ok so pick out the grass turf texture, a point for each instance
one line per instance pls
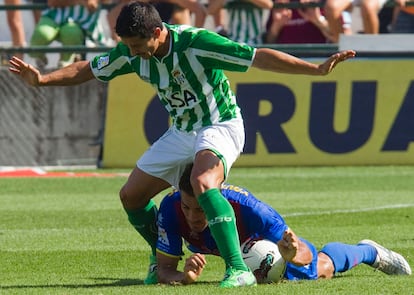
(71, 236)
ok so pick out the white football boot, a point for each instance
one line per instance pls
(388, 261)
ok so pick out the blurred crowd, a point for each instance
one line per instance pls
(255, 22)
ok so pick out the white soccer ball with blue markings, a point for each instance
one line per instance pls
(264, 259)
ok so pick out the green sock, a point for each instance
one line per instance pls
(144, 221)
(222, 224)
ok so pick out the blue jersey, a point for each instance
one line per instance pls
(254, 219)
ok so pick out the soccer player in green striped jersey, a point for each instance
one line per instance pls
(245, 18)
(185, 65)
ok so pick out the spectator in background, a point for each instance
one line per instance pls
(112, 15)
(403, 22)
(69, 22)
(15, 22)
(219, 19)
(386, 18)
(37, 13)
(179, 11)
(369, 15)
(245, 19)
(303, 25)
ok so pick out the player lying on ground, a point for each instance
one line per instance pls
(181, 217)
(185, 65)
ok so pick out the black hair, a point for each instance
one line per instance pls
(138, 19)
(185, 183)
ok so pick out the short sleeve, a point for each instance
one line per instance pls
(114, 63)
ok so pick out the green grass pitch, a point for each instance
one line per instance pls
(71, 236)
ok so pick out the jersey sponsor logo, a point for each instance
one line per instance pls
(103, 61)
(220, 219)
(235, 188)
(181, 99)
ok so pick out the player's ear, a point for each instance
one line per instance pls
(157, 32)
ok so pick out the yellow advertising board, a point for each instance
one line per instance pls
(361, 114)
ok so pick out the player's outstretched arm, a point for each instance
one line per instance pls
(168, 273)
(276, 61)
(73, 74)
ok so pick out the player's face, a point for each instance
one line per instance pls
(142, 47)
(194, 214)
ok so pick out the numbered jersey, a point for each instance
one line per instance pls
(189, 80)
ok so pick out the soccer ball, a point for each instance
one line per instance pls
(264, 259)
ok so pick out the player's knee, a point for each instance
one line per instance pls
(197, 184)
(127, 199)
(131, 200)
(326, 268)
(203, 182)
(123, 196)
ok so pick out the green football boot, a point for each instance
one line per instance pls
(152, 278)
(238, 278)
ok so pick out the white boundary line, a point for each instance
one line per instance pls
(396, 206)
(48, 168)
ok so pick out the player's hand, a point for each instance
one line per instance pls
(281, 16)
(27, 72)
(288, 246)
(334, 59)
(193, 267)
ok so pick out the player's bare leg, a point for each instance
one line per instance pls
(325, 266)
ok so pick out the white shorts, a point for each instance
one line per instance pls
(169, 155)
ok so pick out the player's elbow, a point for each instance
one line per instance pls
(304, 255)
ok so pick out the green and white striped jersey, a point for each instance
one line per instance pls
(79, 14)
(246, 22)
(189, 80)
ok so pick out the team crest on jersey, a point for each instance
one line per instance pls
(103, 61)
(178, 77)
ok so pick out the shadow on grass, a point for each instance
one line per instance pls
(114, 283)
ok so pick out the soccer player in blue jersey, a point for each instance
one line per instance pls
(185, 65)
(180, 217)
